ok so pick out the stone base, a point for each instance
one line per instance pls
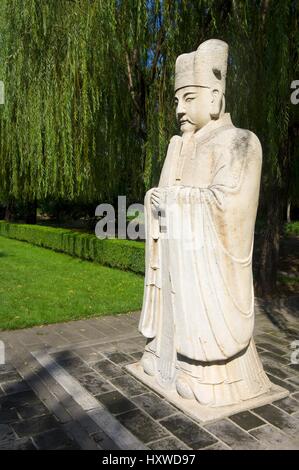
(200, 413)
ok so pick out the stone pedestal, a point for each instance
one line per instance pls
(198, 412)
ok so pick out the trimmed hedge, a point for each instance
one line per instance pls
(121, 254)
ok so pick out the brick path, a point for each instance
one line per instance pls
(74, 392)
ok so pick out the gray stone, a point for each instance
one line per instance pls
(187, 431)
(18, 399)
(89, 355)
(8, 416)
(233, 436)
(103, 442)
(273, 349)
(287, 404)
(107, 369)
(168, 443)
(129, 386)
(142, 426)
(34, 426)
(9, 376)
(33, 410)
(15, 387)
(94, 383)
(247, 420)
(6, 433)
(75, 366)
(282, 383)
(51, 440)
(278, 418)
(119, 358)
(154, 406)
(115, 402)
(274, 439)
(24, 443)
(217, 446)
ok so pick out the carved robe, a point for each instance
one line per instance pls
(198, 294)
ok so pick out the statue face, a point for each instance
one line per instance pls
(193, 107)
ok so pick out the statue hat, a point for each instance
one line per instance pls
(203, 67)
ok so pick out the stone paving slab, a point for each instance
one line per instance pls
(25, 423)
(42, 407)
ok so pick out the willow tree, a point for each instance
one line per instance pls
(68, 125)
(89, 95)
(89, 106)
(265, 53)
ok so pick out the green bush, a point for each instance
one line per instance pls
(292, 228)
(122, 254)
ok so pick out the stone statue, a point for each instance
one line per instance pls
(198, 307)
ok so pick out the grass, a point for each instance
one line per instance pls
(39, 286)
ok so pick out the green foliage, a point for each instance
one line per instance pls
(67, 128)
(39, 287)
(89, 89)
(265, 58)
(292, 228)
(121, 254)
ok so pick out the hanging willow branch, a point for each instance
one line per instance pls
(89, 89)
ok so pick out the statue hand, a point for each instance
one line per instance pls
(156, 201)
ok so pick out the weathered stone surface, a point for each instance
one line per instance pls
(154, 405)
(95, 384)
(32, 426)
(168, 443)
(279, 418)
(87, 427)
(198, 305)
(247, 420)
(115, 402)
(54, 439)
(142, 426)
(287, 404)
(187, 431)
(129, 386)
(274, 439)
(107, 369)
(233, 436)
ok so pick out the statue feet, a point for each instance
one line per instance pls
(183, 388)
(148, 362)
(189, 388)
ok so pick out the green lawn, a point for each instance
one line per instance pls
(39, 286)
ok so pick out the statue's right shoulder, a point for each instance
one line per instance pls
(175, 139)
(174, 144)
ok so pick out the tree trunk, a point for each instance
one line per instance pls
(30, 217)
(267, 264)
(289, 212)
(9, 211)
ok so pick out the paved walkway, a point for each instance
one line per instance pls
(64, 386)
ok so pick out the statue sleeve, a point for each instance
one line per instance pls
(237, 172)
(210, 236)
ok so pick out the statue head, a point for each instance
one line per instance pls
(200, 85)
